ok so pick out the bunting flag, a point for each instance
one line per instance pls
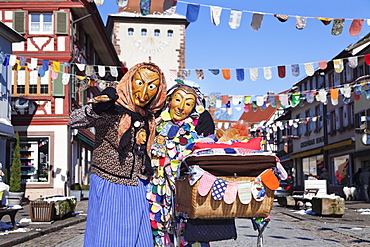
(257, 17)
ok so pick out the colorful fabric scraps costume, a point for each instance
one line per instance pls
(125, 127)
(175, 136)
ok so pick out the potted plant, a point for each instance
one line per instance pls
(85, 191)
(76, 191)
(15, 194)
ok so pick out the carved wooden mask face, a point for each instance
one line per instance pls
(145, 85)
(181, 105)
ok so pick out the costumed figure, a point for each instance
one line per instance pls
(125, 129)
(176, 134)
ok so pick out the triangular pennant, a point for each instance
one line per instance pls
(215, 14)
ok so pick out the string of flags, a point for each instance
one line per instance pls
(282, 70)
(193, 10)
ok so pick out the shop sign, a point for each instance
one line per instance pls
(312, 142)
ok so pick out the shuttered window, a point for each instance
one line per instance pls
(58, 86)
(61, 23)
(19, 21)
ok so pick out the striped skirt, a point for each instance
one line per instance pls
(118, 215)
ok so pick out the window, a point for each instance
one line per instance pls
(41, 23)
(130, 31)
(342, 170)
(332, 121)
(170, 33)
(29, 83)
(35, 163)
(312, 166)
(143, 32)
(157, 32)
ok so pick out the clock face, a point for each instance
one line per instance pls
(365, 139)
(151, 45)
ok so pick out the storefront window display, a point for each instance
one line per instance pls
(342, 170)
(313, 166)
(34, 155)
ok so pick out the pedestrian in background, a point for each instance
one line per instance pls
(364, 178)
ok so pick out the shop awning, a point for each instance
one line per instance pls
(306, 153)
(338, 144)
(7, 131)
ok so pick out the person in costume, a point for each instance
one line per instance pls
(176, 133)
(125, 129)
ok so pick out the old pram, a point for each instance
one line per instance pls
(234, 165)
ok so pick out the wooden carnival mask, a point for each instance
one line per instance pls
(145, 85)
(182, 103)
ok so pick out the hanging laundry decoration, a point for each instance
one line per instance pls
(356, 27)
(267, 72)
(235, 18)
(337, 26)
(295, 69)
(338, 65)
(240, 74)
(215, 14)
(192, 12)
(256, 21)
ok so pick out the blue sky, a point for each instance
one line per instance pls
(274, 44)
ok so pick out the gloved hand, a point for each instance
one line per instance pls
(107, 106)
(205, 126)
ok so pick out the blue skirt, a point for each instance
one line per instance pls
(118, 215)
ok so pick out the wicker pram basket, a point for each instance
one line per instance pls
(196, 206)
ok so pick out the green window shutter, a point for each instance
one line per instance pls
(19, 21)
(61, 22)
(58, 87)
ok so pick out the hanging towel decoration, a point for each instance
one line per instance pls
(214, 71)
(186, 72)
(256, 21)
(215, 15)
(235, 18)
(322, 96)
(145, 7)
(6, 61)
(323, 65)
(226, 74)
(81, 67)
(337, 26)
(12, 59)
(113, 71)
(56, 66)
(240, 74)
(41, 72)
(33, 63)
(65, 78)
(310, 70)
(224, 99)
(334, 96)
(22, 61)
(281, 71)
(295, 69)
(231, 192)
(17, 65)
(352, 62)
(89, 70)
(219, 188)
(101, 70)
(246, 108)
(267, 72)
(260, 100)
(206, 183)
(45, 65)
(282, 18)
(237, 99)
(326, 21)
(253, 74)
(284, 101)
(358, 89)
(247, 99)
(99, 2)
(367, 59)
(122, 3)
(192, 12)
(199, 73)
(310, 97)
(338, 65)
(212, 100)
(300, 22)
(296, 99)
(356, 27)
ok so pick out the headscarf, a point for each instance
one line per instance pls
(124, 91)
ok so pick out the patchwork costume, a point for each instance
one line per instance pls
(174, 139)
